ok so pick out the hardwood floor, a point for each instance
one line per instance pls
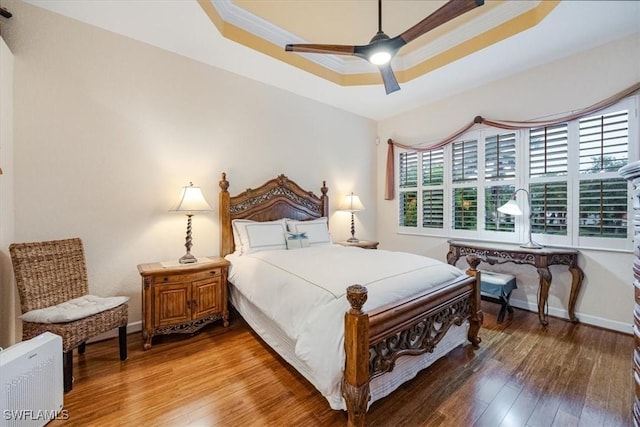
(522, 375)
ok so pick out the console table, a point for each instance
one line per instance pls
(541, 259)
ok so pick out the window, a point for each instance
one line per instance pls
(465, 191)
(433, 189)
(408, 194)
(604, 145)
(570, 171)
(500, 172)
(548, 178)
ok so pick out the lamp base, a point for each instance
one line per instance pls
(353, 240)
(187, 259)
(531, 245)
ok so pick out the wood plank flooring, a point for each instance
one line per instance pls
(522, 375)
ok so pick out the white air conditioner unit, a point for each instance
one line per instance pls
(31, 381)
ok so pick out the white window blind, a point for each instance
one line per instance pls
(465, 208)
(433, 189)
(408, 208)
(494, 197)
(433, 209)
(548, 151)
(408, 169)
(604, 142)
(433, 167)
(604, 147)
(500, 157)
(549, 207)
(548, 173)
(465, 161)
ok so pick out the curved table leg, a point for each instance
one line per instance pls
(576, 283)
(545, 284)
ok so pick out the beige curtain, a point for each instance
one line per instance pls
(502, 124)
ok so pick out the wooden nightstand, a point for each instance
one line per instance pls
(183, 298)
(365, 244)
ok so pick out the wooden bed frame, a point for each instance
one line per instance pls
(374, 340)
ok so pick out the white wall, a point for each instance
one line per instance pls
(9, 327)
(107, 131)
(606, 298)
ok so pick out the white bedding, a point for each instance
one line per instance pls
(304, 293)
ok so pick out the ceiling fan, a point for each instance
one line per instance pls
(382, 48)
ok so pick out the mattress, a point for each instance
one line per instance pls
(295, 301)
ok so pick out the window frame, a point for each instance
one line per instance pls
(523, 180)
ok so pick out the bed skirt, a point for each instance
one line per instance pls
(406, 368)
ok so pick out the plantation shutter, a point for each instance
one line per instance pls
(500, 157)
(604, 145)
(465, 161)
(548, 151)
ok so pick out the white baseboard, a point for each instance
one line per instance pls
(626, 328)
(131, 328)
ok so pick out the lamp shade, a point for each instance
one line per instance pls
(351, 203)
(191, 201)
(510, 208)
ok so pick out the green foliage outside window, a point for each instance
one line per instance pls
(465, 214)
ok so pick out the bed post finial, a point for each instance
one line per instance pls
(357, 296)
(476, 318)
(355, 384)
(226, 236)
(324, 199)
(224, 184)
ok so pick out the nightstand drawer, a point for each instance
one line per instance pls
(188, 277)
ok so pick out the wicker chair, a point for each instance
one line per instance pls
(51, 273)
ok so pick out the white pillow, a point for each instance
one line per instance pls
(236, 237)
(257, 236)
(317, 230)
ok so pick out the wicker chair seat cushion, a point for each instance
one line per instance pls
(77, 308)
(79, 331)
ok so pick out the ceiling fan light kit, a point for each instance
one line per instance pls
(381, 49)
(379, 58)
(380, 53)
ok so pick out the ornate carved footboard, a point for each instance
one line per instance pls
(374, 341)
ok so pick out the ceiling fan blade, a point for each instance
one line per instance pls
(446, 13)
(389, 79)
(334, 49)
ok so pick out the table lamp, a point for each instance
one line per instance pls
(190, 202)
(352, 203)
(512, 208)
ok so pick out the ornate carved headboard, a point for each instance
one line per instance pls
(275, 199)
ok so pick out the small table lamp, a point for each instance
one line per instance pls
(352, 203)
(512, 208)
(191, 201)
